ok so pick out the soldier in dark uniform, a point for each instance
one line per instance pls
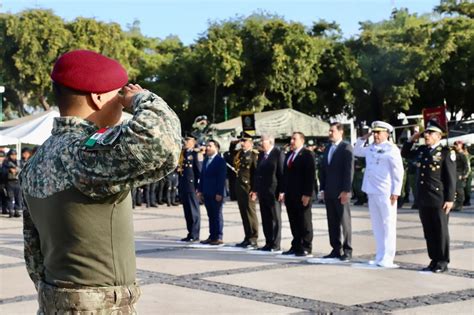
(189, 170)
(245, 163)
(229, 159)
(435, 186)
(160, 191)
(171, 188)
(11, 169)
(3, 187)
(412, 176)
(78, 228)
(462, 172)
(359, 168)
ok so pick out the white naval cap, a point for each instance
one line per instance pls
(381, 126)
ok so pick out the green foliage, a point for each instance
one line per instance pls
(262, 62)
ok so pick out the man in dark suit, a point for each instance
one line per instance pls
(337, 171)
(298, 185)
(436, 185)
(267, 185)
(211, 190)
(189, 170)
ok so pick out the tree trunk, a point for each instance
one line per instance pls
(44, 102)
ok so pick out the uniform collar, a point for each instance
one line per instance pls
(72, 124)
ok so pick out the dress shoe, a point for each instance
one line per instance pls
(440, 268)
(291, 251)
(4, 211)
(301, 253)
(333, 255)
(243, 244)
(346, 257)
(189, 239)
(154, 205)
(389, 265)
(266, 248)
(414, 206)
(430, 266)
(17, 214)
(208, 241)
(216, 242)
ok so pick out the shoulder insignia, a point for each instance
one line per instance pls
(452, 156)
(104, 137)
(255, 151)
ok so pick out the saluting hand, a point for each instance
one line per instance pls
(415, 137)
(128, 91)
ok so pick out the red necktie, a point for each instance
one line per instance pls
(290, 160)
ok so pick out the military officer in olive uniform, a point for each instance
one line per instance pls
(189, 170)
(462, 172)
(436, 185)
(245, 164)
(78, 230)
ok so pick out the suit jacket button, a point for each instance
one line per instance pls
(421, 182)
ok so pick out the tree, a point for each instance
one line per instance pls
(33, 40)
(394, 56)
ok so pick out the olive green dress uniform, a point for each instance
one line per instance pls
(462, 171)
(78, 232)
(245, 163)
(435, 185)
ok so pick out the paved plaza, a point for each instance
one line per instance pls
(177, 278)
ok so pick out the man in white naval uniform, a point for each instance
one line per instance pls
(382, 183)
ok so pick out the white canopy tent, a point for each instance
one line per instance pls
(277, 123)
(34, 129)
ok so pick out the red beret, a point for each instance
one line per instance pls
(88, 71)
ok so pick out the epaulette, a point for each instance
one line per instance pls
(255, 151)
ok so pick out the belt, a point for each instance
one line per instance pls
(87, 300)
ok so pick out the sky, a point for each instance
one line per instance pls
(189, 18)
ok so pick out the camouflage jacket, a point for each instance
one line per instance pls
(138, 151)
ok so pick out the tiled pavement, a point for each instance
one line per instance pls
(178, 279)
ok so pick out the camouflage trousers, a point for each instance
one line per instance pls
(119, 300)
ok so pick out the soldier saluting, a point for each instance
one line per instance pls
(435, 188)
(79, 246)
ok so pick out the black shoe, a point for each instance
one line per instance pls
(414, 206)
(346, 257)
(430, 266)
(216, 242)
(17, 214)
(333, 255)
(175, 204)
(440, 268)
(154, 205)
(10, 215)
(301, 253)
(252, 245)
(208, 241)
(243, 244)
(189, 239)
(291, 251)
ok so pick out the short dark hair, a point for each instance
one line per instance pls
(218, 146)
(338, 126)
(299, 133)
(65, 96)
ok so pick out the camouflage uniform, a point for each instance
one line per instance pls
(78, 229)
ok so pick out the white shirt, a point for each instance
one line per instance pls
(384, 168)
(210, 158)
(333, 148)
(294, 154)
